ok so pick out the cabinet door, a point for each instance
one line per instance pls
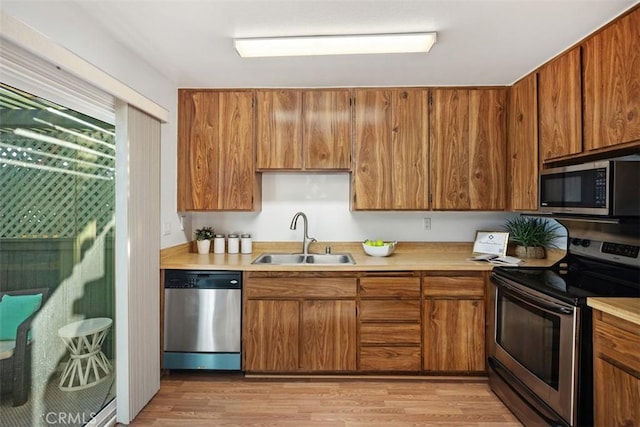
(215, 151)
(449, 127)
(616, 370)
(617, 394)
(372, 170)
(328, 335)
(271, 336)
(560, 106)
(410, 178)
(327, 129)
(487, 149)
(237, 181)
(453, 338)
(468, 148)
(390, 150)
(279, 129)
(197, 150)
(611, 66)
(522, 146)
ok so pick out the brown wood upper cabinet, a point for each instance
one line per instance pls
(560, 106)
(303, 130)
(468, 148)
(215, 151)
(522, 146)
(611, 62)
(390, 148)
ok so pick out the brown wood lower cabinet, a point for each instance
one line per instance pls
(616, 371)
(454, 322)
(272, 335)
(370, 322)
(389, 319)
(328, 335)
(297, 322)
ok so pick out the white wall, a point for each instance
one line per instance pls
(323, 197)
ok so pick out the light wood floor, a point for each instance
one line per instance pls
(226, 400)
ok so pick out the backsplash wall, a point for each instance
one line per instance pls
(324, 198)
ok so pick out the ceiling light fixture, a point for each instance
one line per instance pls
(335, 45)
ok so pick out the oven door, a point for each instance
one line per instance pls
(534, 337)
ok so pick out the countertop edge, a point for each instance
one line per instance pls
(624, 308)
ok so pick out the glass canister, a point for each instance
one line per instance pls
(233, 243)
(218, 244)
(246, 243)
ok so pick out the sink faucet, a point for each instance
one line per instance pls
(306, 240)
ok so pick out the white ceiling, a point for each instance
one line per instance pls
(479, 42)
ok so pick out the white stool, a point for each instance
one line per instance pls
(87, 365)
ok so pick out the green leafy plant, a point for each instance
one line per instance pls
(204, 233)
(532, 231)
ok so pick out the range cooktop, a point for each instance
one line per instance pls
(592, 268)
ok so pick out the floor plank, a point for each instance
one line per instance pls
(212, 399)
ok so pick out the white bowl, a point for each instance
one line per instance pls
(385, 250)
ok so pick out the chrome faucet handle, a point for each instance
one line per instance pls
(306, 243)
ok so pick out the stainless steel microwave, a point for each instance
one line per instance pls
(603, 188)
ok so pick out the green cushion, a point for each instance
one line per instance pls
(14, 309)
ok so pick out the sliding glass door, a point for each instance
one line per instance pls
(57, 230)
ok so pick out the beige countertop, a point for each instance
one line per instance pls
(407, 256)
(624, 308)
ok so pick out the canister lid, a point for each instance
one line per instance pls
(219, 236)
(232, 236)
(245, 235)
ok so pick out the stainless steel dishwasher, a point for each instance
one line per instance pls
(202, 319)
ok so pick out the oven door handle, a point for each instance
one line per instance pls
(532, 299)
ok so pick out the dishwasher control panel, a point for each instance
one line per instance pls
(189, 279)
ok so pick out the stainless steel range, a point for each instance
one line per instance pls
(540, 348)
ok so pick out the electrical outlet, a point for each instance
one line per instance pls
(427, 224)
(167, 228)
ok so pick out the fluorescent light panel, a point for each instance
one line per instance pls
(335, 45)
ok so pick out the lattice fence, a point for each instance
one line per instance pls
(49, 190)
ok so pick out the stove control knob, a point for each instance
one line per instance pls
(576, 241)
(585, 243)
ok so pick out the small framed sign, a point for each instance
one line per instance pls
(491, 242)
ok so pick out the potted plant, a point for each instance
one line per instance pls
(531, 236)
(203, 239)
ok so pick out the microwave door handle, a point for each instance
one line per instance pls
(533, 300)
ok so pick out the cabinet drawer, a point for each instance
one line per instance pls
(390, 359)
(389, 333)
(454, 285)
(281, 287)
(380, 310)
(390, 287)
(616, 344)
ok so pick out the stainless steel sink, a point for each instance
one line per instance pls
(279, 259)
(328, 259)
(301, 259)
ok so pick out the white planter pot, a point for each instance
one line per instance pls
(203, 246)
